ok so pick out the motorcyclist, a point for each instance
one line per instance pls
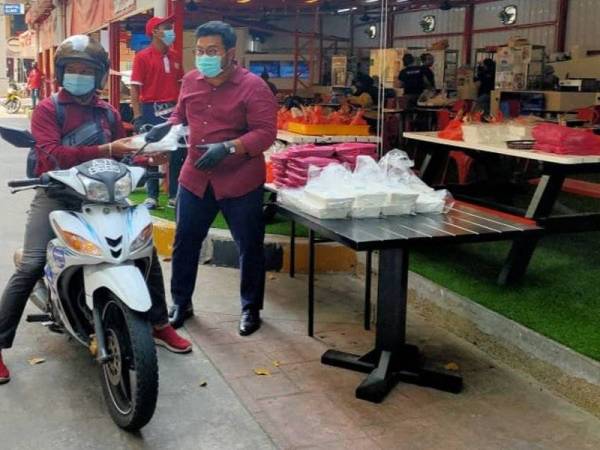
(81, 68)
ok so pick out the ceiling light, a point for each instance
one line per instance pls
(241, 2)
(345, 10)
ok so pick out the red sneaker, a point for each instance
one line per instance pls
(4, 373)
(169, 339)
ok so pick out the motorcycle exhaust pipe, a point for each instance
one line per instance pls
(103, 356)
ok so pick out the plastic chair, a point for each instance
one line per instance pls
(463, 166)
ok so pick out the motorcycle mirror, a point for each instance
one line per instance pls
(18, 138)
(158, 132)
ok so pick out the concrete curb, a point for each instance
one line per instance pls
(506, 330)
(220, 250)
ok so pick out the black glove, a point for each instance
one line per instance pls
(138, 123)
(214, 154)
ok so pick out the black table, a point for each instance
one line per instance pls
(392, 359)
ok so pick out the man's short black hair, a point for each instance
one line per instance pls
(218, 28)
(408, 59)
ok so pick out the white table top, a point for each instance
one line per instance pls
(295, 138)
(537, 155)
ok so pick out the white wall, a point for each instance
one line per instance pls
(583, 24)
(451, 21)
(528, 11)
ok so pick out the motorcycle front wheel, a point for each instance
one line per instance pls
(13, 106)
(130, 378)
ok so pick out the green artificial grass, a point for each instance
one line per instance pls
(559, 296)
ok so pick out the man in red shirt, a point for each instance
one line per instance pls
(81, 67)
(34, 83)
(154, 90)
(232, 115)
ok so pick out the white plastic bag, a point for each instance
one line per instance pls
(169, 143)
(436, 202)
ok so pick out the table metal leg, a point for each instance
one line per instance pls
(293, 250)
(392, 360)
(541, 206)
(311, 283)
(368, 274)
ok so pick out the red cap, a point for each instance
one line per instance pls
(155, 22)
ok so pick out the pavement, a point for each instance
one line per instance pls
(297, 403)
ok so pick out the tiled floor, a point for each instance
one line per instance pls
(304, 404)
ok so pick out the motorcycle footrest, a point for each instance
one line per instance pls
(39, 318)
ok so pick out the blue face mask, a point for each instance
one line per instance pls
(168, 37)
(209, 66)
(79, 85)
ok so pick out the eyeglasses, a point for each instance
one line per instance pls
(210, 51)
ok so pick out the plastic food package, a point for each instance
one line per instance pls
(169, 143)
(396, 166)
(367, 196)
(400, 200)
(320, 212)
(436, 202)
(367, 212)
(329, 198)
(518, 132)
(472, 133)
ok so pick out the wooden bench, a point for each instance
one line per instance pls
(578, 187)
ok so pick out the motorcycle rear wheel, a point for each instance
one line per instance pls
(13, 106)
(130, 379)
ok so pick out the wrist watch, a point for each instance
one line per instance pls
(230, 146)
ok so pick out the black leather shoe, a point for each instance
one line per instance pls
(249, 322)
(179, 314)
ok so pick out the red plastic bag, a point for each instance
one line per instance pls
(453, 131)
(565, 141)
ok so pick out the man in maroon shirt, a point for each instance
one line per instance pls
(155, 82)
(232, 115)
(81, 67)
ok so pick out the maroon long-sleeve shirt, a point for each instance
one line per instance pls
(48, 134)
(242, 108)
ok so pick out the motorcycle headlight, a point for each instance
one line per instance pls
(95, 191)
(142, 239)
(123, 187)
(77, 243)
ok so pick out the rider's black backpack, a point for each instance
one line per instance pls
(90, 133)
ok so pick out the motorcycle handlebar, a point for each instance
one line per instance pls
(25, 183)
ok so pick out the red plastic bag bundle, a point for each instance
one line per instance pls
(304, 151)
(565, 141)
(355, 149)
(453, 131)
(304, 163)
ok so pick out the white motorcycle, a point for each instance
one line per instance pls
(94, 285)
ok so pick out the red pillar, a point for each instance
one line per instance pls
(296, 52)
(468, 34)
(561, 25)
(114, 53)
(177, 8)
